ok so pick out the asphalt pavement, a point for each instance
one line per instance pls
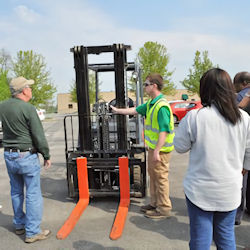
(93, 229)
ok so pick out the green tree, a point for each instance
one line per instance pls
(92, 90)
(4, 86)
(153, 58)
(201, 64)
(32, 66)
(5, 60)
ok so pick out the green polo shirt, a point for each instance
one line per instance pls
(22, 128)
(163, 114)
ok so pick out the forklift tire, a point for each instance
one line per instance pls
(72, 193)
(138, 183)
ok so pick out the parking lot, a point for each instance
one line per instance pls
(93, 228)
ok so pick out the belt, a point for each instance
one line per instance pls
(31, 150)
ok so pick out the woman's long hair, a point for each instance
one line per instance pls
(216, 88)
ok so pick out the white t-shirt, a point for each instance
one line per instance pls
(219, 151)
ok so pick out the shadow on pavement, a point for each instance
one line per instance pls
(88, 245)
(242, 234)
(55, 189)
(171, 228)
(179, 206)
(6, 222)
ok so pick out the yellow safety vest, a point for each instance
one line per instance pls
(152, 129)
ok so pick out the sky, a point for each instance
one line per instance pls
(51, 28)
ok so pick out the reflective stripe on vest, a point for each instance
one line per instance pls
(155, 142)
(149, 127)
(152, 127)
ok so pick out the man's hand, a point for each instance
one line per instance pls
(124, 111)
(156, 156)
(244, 171)
(114, 109)
(47, 164)
(159, 145)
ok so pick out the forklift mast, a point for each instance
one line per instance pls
(82, 88)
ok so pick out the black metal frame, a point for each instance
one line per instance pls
(102, 160)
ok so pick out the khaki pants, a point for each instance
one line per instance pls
(159, 184)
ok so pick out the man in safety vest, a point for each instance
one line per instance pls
(159, 135)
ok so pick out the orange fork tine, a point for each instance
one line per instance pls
(120, 219)
(83, 202)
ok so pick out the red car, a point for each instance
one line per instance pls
(180, 108)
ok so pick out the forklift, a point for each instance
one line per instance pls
(101, 136)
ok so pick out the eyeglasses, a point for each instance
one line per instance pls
(147, 84)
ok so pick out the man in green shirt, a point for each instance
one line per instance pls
(23, 139)
(159, 134)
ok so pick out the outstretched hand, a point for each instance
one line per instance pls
(114, 109)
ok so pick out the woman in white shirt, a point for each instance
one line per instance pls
(218, 137)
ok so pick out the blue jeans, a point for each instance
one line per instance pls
(206, 226)
(24, 170)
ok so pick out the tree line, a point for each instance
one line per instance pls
(152, 57)
(30, 65)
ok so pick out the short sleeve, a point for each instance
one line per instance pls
(142, 109)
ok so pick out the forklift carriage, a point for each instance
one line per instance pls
(99, 135)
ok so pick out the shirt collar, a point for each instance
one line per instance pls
(156, 99)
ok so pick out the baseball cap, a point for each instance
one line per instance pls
(20, 82)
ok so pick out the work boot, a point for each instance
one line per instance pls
(146, 208)
(41, 236)
(20, 231)
(154, 214)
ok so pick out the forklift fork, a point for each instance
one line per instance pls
(83, 202)
(122, 212)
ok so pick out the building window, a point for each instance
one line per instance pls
(70, 106)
